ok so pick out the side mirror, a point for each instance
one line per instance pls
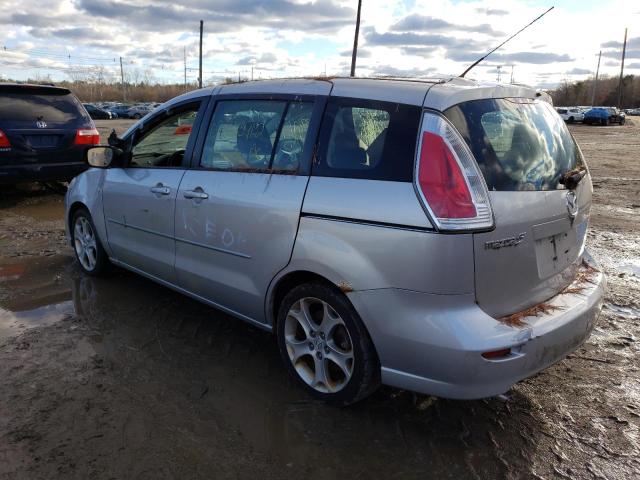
(101, 157)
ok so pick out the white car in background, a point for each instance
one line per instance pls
(570, 115)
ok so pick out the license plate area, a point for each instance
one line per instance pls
(557, 247)
(43, 141)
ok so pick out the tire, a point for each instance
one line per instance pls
(571, 119)
(137, 116)
(332, 334)
(92, 258)
(622, 120)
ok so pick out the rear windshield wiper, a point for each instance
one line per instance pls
(572, 178)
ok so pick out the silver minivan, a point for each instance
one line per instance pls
(428, 235)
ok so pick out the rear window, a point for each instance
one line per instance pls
(519, 144)
(51, 108)
(368, 139)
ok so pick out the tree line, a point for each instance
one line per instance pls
(581, 92)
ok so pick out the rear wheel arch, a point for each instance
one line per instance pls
(287, 283)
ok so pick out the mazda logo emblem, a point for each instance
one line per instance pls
(41, 124)
(572, 204)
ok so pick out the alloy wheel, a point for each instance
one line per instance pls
(319, 345)
(84, 240)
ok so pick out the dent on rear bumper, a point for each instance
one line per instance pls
(433, 343)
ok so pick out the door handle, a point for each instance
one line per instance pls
(196, 194)
(160, 190)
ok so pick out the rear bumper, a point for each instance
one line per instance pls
(433, 343)
(42, 172)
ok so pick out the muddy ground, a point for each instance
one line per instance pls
(119, 378)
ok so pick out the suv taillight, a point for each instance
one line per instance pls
(4, 140)
(450, 183)
(87, 136)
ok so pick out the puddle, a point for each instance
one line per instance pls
(14, 323)
(34, 293)
(631, 267)
(626, 312)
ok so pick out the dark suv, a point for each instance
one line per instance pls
(43, 134)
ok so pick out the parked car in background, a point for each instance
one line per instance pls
(633, 111)
(604, 116)
(43, 134)
(120, 111)
(139, 111)
(97, 113)
(570, 115)
(387, 231)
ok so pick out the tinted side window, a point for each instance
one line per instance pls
(368, 139)
(257, 135)
(164, 144)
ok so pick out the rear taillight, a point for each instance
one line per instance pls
(449, 180)
(87, 136)
(4, 140)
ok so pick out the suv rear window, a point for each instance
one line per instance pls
(54, 108)
(519, 144)
(368, 139)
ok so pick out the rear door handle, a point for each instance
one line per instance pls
(160, 190)
(196, 194)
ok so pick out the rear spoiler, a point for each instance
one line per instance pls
(29, 89)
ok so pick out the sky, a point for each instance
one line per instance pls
(80, 39)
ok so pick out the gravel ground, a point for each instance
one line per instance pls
(121, 378)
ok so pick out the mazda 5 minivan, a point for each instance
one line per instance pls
(428, 235)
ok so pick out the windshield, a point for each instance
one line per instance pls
(519, 144)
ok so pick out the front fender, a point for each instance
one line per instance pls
(86, 189)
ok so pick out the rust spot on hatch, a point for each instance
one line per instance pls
(345, 287)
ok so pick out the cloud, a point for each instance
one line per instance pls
(617, 54)
(492, 11)
(421, 23)
(536, 58)
(224, 15)
(631, 43)
(389, 71)
(579, 71)
(411, 39)
(362, 53)
(252, 60)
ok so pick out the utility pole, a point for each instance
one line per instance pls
(355, 41)
(512, 74)
(252, 73)
(124, 90)
(595, 83)
(624, 52)
(200, 78)
(185, 68)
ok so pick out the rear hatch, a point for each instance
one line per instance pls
(524, 150)
(40, 123)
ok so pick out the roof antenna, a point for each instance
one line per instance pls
(523, 28)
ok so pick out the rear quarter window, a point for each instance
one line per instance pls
(367, 139)
(519, 144)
